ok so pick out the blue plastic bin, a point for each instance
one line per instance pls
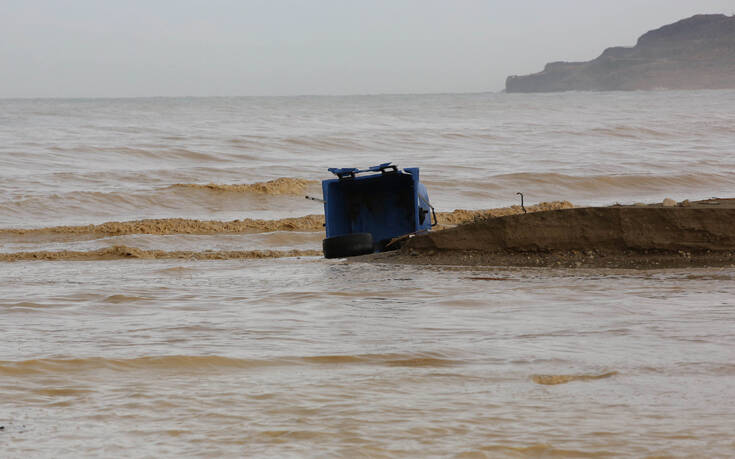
(381, 201)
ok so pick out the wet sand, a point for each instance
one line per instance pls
(674, 235)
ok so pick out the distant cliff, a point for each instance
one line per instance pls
(694, 53)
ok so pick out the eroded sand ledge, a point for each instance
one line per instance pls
(690, 234)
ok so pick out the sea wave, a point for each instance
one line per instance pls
(124, 252)
(552, 380)
(612, 186)
(161, 226)
(164, 226)
(270, 199)
(322, 143)
(284, 196)
(631, 182)
(279, 186)
(160, 152)
(629, 131)
(613, 182)
(208, 362)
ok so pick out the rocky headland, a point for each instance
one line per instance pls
(694, 53)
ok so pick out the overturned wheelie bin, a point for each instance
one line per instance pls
(367, 210)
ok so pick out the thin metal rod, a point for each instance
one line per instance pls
(522, 207)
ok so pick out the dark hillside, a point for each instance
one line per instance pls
(694, 53)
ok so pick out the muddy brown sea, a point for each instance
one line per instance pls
(211, 326)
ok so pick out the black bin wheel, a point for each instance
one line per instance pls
(348, 245)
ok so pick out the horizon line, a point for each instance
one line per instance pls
(377, 94)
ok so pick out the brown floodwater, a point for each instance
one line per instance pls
(162, 292)
(304, 356)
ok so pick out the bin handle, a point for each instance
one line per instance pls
(433, 212)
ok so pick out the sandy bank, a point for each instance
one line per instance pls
(688, 234)
(459, 216)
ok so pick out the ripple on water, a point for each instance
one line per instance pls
(552, 380)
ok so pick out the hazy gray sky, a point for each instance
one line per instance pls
(99, 48)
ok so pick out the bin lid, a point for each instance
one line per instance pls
(342, 171)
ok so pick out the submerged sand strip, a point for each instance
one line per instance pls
(163, 226)
(618, 236)
(314, 222)
(123, 252)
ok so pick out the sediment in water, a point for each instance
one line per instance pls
(123, 252)
(552, 380)
(163, 226)
(279, 186)
(314, 222)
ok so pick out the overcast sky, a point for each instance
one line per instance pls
(99, 48)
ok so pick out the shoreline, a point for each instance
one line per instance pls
(655, 236)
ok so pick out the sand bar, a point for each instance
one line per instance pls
(640, 236)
